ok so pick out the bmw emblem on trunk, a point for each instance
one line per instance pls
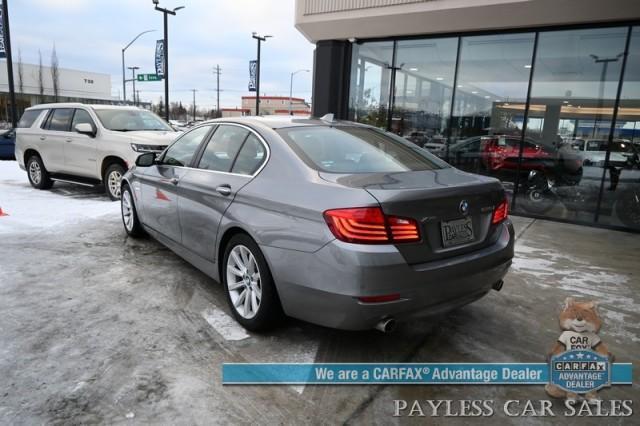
(464, 207)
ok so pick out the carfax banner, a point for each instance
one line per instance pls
(579, 377)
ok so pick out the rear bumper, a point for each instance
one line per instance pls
(323, 287)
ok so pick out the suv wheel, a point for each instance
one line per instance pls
(129, 214)
(250, 290)
(112, 177)
(38, 175)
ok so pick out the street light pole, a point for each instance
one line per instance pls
(217, 73)
(291, 89)
(166, 12)
(7, 45)
(133, 79)
(194, 103)
(124, 81)
(259, 38)
(603, 75)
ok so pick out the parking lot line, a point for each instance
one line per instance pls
(224, 325)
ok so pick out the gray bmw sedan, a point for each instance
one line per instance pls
(332, 222)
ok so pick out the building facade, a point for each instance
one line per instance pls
(74, 86)
(542, 94)
(276, 105)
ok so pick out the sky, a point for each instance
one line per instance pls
(90, 34)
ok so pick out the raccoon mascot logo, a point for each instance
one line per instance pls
(580, 324)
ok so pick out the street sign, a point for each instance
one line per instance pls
(148, 77)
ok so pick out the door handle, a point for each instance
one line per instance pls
(42, 138)
(68, 140)
(224, 190)
(173, 181)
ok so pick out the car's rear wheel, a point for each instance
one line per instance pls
(129, 214)
(112, 177)
(250, 289)
(38, 175)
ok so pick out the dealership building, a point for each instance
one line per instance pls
(542, 94)
(74, 86)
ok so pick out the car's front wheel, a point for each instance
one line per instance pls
(38, 175)
(250, 289)
(112, 177)
(129, 214)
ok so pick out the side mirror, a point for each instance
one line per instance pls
(146, 160)
(85, 129)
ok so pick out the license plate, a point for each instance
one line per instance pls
(455, 232)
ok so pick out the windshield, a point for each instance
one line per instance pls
(129, 120)
(350, 149)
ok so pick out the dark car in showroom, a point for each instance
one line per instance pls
(335, 223)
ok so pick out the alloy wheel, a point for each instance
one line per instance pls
(243, 282)
(35, 173)
(114, 183)
(127, 210)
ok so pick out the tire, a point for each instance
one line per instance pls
(240, 252)
(129, 214)
(37, 174)
(111, 180)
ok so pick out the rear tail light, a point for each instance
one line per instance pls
(369, 225)
(380, 299)
(501, 212)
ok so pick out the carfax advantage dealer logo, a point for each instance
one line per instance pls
(580, 371)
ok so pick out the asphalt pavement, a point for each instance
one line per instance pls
(97, 327)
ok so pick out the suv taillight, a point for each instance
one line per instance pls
(501, 212)
(369, 225)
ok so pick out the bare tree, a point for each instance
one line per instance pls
(55, 73)
(20, 73)
(40, 76)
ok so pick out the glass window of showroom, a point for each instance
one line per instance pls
(534, 109)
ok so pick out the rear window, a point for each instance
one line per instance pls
(350, 149)
(28, 118)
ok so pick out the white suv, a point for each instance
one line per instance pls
(86, 144)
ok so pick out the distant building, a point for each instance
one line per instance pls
(74, 86)
(235, 112)
(276, 105)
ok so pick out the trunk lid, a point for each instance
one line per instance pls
(433, 198)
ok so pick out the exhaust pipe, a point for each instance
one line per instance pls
(386, 325)
(498, 286)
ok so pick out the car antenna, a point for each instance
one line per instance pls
(327, 118)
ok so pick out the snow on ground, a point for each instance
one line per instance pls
(30, 209)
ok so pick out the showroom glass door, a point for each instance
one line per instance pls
(370, 83)
(424, 76)
(573, 91)
(620, 200)
(489, 105)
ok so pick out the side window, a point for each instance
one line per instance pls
(28, 118)
(81, 116)
(182, 150)
(47, 120)
(61, 119)
(222, 148)
(250, 157)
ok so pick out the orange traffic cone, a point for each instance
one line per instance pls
(3, 213)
